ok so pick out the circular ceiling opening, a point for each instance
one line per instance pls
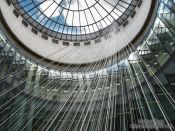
(80, 19)
(42, 14)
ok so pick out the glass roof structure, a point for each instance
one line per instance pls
(133, 90)
(74, 20)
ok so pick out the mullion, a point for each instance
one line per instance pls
(90, 26)
(50, 19)
(79, 17)
(91, 14)
(66, 19)
(42, 13)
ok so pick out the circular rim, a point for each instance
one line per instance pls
(56, 28)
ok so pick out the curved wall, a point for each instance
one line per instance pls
(80, 54)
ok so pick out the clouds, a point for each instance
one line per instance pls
(50, 8)
(86, 15)
(76, 12)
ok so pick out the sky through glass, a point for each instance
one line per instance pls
(74, 17)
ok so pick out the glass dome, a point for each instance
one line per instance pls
(74, 19)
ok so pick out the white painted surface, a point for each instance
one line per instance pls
(83, 54)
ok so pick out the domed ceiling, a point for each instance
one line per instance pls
(74, 17)
(86, 30)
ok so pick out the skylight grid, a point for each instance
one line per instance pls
(73, 17)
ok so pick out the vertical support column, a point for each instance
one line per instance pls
(36, 83)
(32, 103)
(5, 55)
(19, 116)
(30, 117)
(30, 78)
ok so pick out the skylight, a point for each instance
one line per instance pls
(74, 17)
